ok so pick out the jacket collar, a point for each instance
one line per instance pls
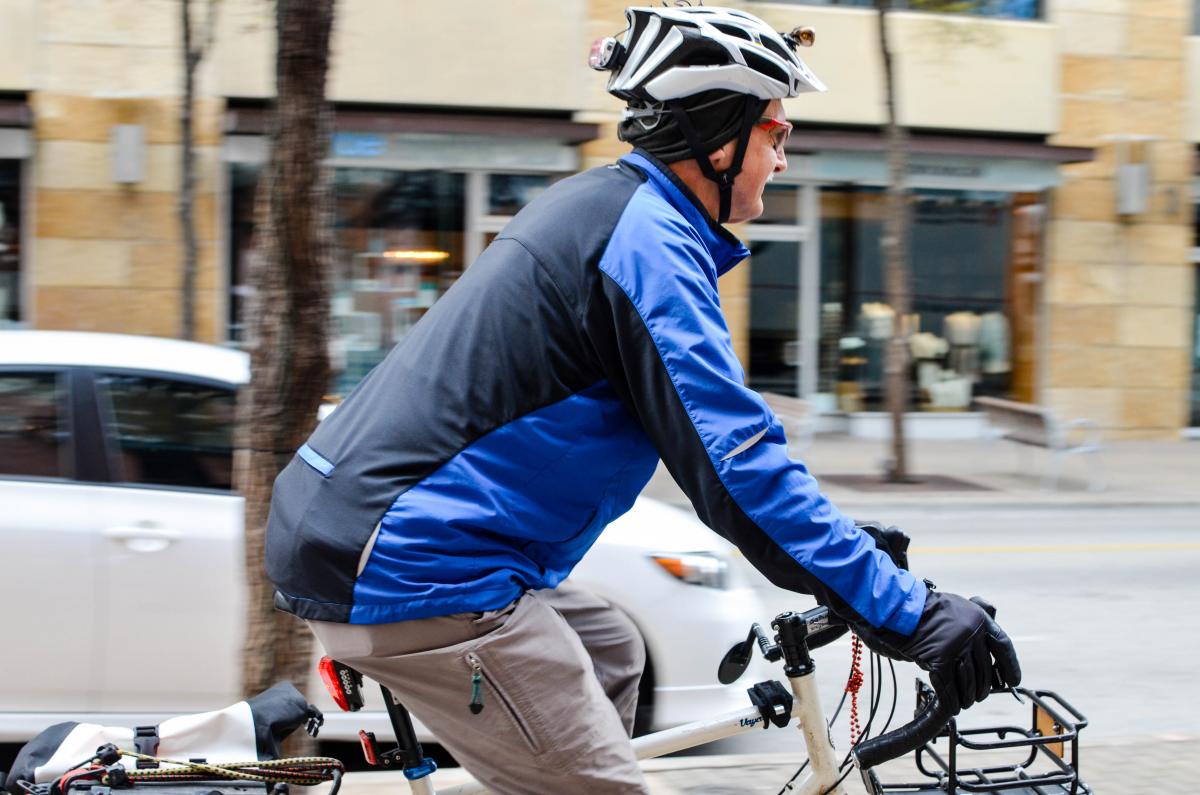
(724, 248)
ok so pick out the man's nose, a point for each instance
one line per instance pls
(780, 161)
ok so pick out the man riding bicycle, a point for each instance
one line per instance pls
(426, 529)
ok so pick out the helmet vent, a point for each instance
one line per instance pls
(731, 30)
(774, 47)
(764, 65)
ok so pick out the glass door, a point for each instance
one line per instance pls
(775, 352)
(1195, 258)
(1195, 419)
(783, 324)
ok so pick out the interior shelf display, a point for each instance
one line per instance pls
(946, 370)
(974, 265)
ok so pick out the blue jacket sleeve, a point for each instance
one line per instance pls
(662, 338)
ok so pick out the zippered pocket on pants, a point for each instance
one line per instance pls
(487, 693)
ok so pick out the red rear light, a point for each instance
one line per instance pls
(367, 740)
(333, 684)
(343, 683)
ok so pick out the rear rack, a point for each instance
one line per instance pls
(1048, 751)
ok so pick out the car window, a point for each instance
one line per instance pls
(34, 430)
(168, 432)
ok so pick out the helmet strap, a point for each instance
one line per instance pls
(723, 179)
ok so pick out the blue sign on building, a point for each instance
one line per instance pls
(349, 144)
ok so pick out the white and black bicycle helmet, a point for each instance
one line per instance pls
(671, 53)
(695, 77)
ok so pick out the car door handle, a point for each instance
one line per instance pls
(144, 538)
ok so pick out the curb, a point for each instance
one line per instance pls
(942, 502)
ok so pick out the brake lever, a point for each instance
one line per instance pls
(998, 685)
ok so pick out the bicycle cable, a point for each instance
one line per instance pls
(876, 667)
(895, 697)
(845, 767)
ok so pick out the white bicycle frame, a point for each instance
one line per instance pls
(807, 716)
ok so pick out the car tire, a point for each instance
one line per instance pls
(643, 720)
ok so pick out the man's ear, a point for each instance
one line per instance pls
(722, 158)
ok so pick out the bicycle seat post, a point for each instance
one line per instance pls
(413, 761)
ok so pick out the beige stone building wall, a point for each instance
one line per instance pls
(513, 54)
(106, 256)
(1118, 291)
(1192, 70)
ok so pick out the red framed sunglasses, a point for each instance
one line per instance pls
(777, 130)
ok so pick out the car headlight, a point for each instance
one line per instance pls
(694, 568)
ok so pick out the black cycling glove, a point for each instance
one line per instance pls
(892, 541)
(959, 644)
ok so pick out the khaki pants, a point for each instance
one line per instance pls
(560, 671)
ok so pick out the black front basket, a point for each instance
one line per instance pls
(1042, 759)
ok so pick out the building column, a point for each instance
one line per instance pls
(1118, 289)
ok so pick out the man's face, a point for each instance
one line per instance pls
(761, 162)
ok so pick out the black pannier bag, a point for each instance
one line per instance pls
(242, 734)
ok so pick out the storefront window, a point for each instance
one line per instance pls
(10, 242)
(1195, 422)
(1011, 9)
(400, 243)
(508, 193)
(775, 316)
(399, 246)
(1196, 225)
(965, 249)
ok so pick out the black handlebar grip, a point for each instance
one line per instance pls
(764, 643)
(903, 739)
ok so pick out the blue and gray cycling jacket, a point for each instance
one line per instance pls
(530, 406)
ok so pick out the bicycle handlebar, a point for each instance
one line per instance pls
(801, 632)
(903, 739)
(923, 728)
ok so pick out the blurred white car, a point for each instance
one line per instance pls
(121, 544)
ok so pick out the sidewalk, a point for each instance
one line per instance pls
(993, 475)
(1168, 765)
